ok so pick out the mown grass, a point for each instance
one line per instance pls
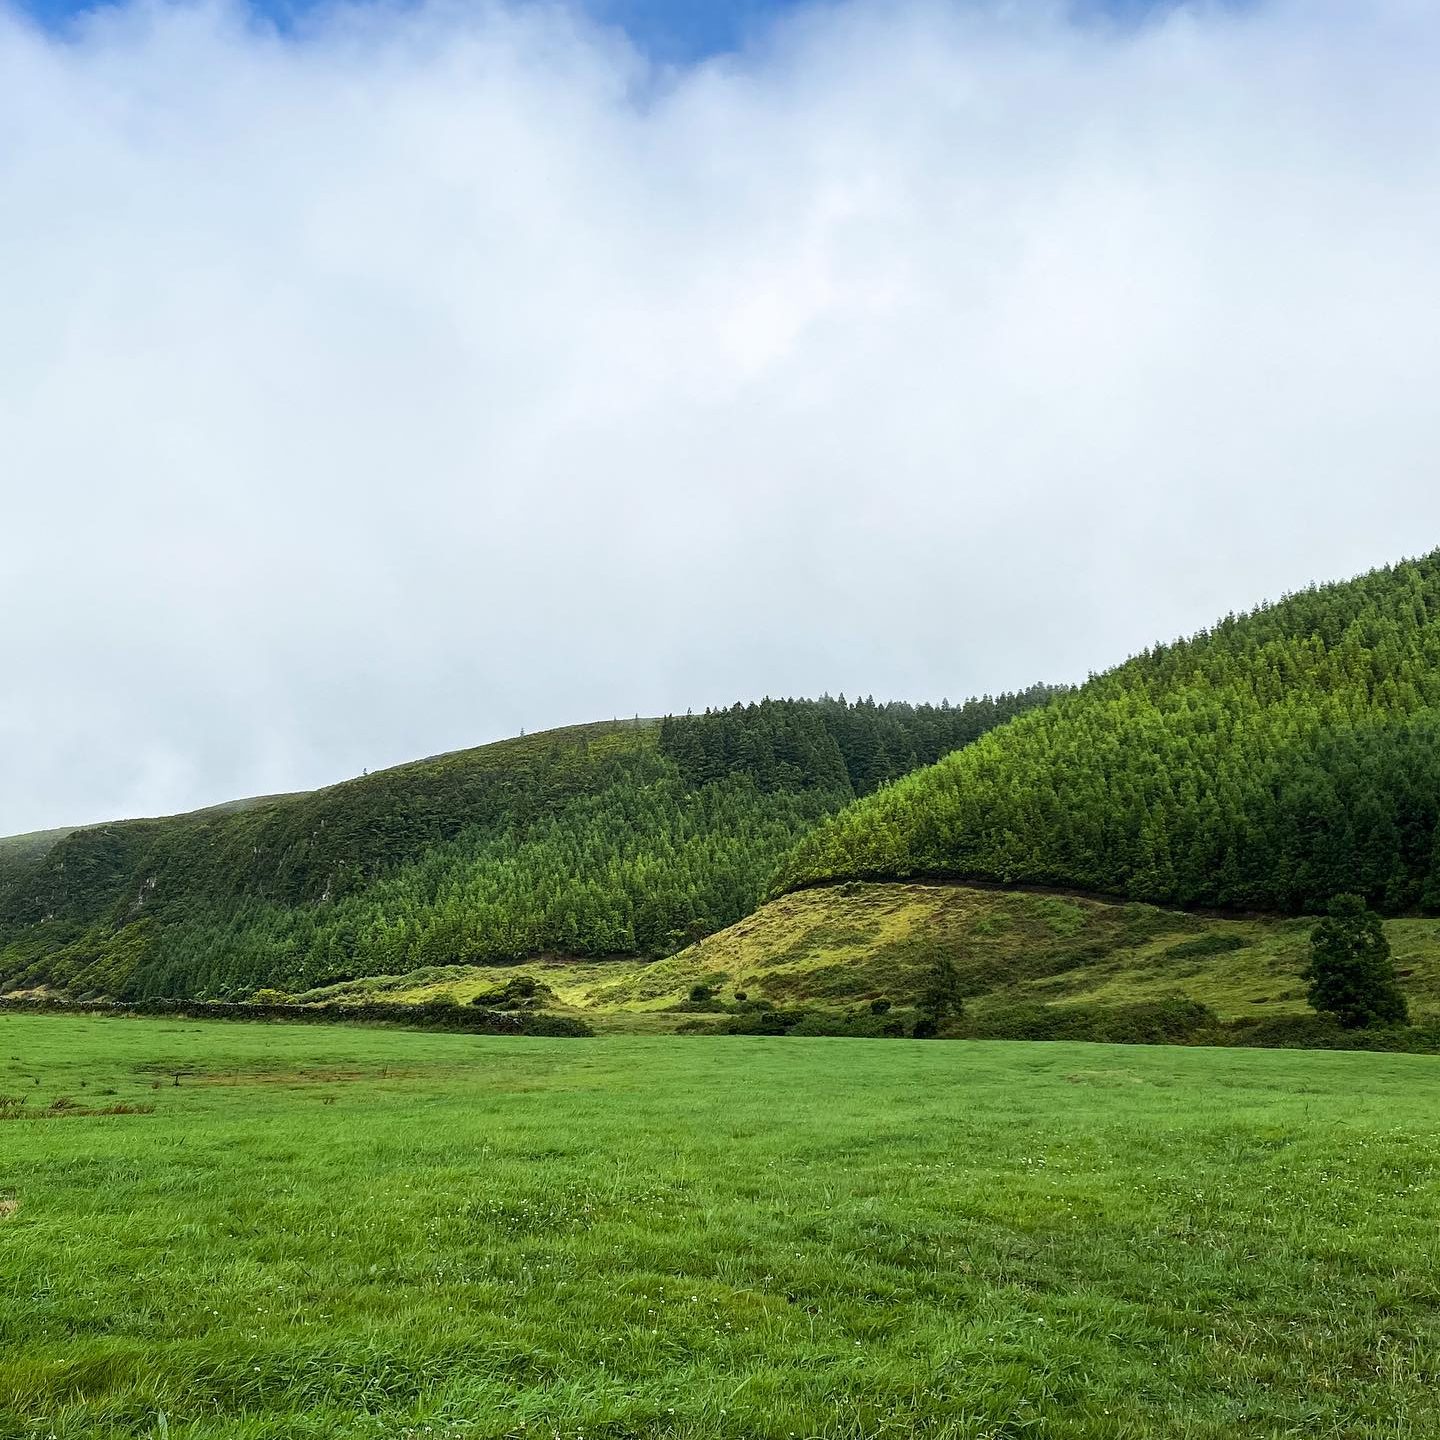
(343, 1232)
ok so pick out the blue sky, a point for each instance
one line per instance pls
(670, 30)
(675, 29)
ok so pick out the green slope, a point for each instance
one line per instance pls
(845, 945)
(833, 950)
(1276, 760)
(631, 837)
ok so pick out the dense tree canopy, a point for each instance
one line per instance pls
(1281, 758)
(832, 744)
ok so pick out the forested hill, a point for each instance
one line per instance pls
(19, 852)
(620, 837)
(1280, 758)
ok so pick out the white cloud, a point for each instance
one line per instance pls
(441, 371)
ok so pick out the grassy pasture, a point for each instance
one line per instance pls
(346, 1232)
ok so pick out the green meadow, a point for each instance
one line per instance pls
(319, 1232)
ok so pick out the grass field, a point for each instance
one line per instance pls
(345, 1232)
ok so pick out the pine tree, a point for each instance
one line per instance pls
(940, 997)
(1351, 973)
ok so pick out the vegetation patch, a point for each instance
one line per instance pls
(436, 1015)
(64, 1107)
(1155, 1022)
(1205, 945)
(738, 1238)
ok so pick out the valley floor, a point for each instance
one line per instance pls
(323, 1232)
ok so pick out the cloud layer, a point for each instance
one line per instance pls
(442, 371)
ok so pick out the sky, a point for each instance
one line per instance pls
(398, 377)
(666, 31)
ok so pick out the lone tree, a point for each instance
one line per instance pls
(940, 998)
(1351, 974)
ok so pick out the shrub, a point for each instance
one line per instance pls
(855, 1025)
(702, 999)
(1206, 945)
(1324, 1032)
(431, 1016)
(743, 1005)
(522, 992)
(762, 1022)
(1151, 1022)
(555, 1026)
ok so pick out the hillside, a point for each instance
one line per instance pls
(833, 950)
(19, 852)
(620, 837)
(1269, 763)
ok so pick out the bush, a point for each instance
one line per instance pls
(743, 1005)
(702, 1000)
(1324, 1032)
(555, 1026)
(523, 992)
(761, 1022)
(1152, 1022)
(804, 1021)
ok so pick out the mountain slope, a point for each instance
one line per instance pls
(617, 837)
(19, 852)
(1282, 757)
